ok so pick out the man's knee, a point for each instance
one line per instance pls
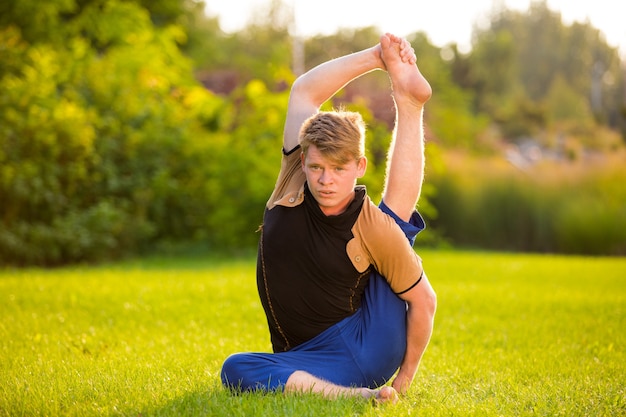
(232, 374)
(254, 372)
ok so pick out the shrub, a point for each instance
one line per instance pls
(554, 207)
(98, 153)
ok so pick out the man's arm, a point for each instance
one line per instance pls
(321, 83)
(422, 304)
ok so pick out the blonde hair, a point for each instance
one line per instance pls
(338, 135)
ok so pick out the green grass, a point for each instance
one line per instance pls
(514, 335)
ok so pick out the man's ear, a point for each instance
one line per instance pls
(361, 167)
(302, 159)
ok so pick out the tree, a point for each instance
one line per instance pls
(516, 60)
(98, 128)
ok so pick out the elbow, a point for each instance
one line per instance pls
(422, 300)
(300, 87)
(305, 93)
(427, 304)
(297, 84)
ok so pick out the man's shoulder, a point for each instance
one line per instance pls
(372, 231)
(373, 221)
(378, 232)
(289, 185)
(382, 242)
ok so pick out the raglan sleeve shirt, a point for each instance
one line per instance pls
(378, 240)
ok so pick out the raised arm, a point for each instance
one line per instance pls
(405, 163)
(319, 84)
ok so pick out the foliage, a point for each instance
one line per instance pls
(574, 207)
(261, 51)
(521, 59)
(110, 145)
(145, 337)
(448, 114)
(97, 148)
(248, 158)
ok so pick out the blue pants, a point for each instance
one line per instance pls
(363, 350)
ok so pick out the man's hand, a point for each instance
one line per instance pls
(402, 381)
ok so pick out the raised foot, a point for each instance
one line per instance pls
(406, 79)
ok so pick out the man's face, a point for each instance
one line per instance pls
(331, 184)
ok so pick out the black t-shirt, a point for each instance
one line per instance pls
(305, 278)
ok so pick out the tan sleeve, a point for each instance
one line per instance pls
(382, 243)
(290, 179)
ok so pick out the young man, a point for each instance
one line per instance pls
(337, 326)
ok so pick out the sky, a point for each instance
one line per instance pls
(444, 21)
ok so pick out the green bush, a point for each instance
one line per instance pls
(101, 138)
(572, 208)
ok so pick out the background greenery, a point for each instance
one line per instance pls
(514, 335)
(130, 126)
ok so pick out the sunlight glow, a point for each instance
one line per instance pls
(444, 21)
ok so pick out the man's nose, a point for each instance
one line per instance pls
(325, 177)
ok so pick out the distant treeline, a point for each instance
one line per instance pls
(127, 126)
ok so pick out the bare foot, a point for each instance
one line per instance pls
(387, 395)
(406, 79)
(382, 395)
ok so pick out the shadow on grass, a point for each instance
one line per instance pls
(219, 402)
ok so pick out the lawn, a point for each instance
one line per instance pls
(514, 335)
